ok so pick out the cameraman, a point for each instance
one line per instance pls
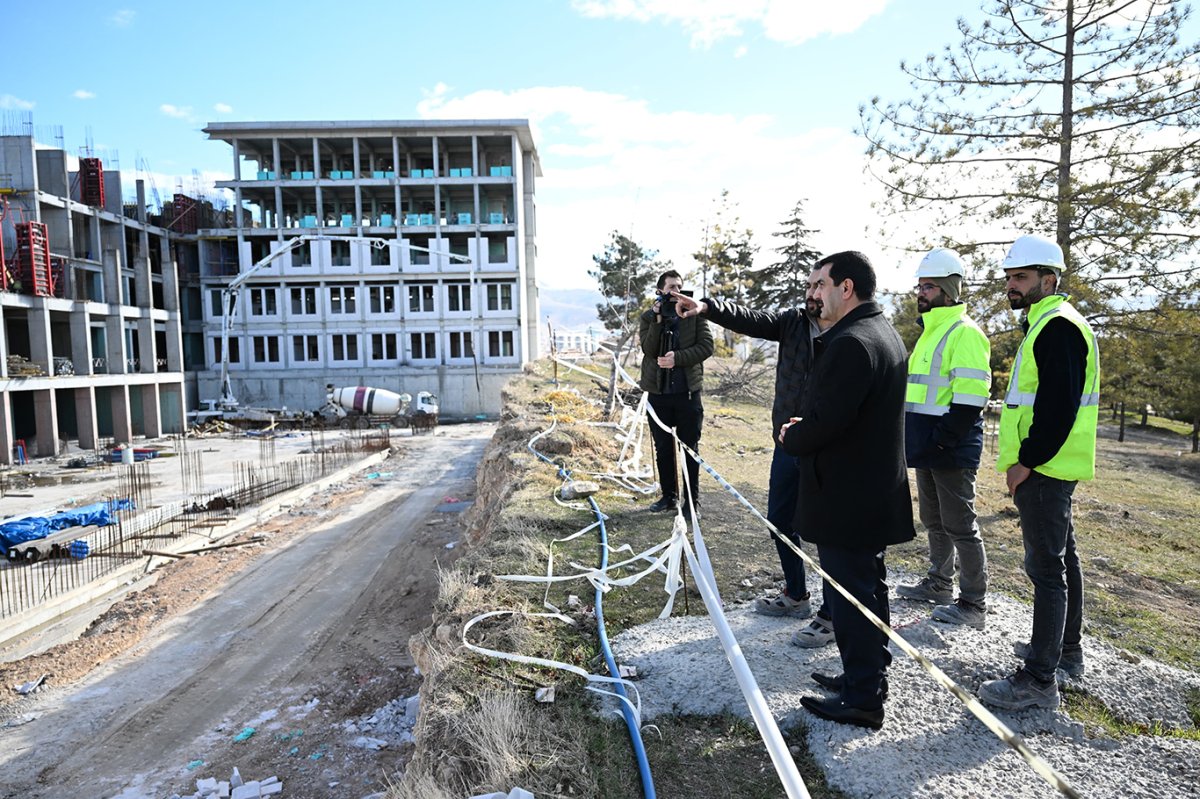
(674, 351)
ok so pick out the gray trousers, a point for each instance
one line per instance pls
(946, 502)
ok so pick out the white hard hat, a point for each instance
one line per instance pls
(1035, 251)
(940, 262)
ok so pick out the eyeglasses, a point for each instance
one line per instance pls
(925, 288)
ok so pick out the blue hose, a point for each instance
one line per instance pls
(635, 734)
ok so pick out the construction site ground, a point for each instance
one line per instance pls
(267, 657)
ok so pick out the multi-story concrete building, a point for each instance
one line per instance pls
(419, 275)
(90, 343)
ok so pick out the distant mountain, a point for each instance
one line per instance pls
(569, 309)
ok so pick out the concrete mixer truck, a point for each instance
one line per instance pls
(362, 406)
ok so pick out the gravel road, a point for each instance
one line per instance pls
(930, 745)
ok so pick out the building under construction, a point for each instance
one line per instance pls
(90, 345)
(418, 275)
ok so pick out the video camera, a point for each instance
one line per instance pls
(666, 303)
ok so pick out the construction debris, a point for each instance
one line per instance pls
(234, 788)
(31, 686)
(19, 366)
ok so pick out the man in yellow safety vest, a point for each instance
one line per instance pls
(1047, 444)
(949, 379)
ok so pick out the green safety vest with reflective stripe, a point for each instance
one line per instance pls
(950, 363)
(1076, 459)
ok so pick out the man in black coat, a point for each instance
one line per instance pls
(854, 499)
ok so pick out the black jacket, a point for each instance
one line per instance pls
(792, 330)
(850, 441)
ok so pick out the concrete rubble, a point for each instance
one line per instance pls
(234, 788)
(390, 725)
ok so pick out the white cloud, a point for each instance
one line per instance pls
(83, 94)
(709, 21)
(178, 112)
(123, 18)
(741, 51)
(11, 103)
(614, 162)
(223, 108)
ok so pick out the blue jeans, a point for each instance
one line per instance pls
(863, 647)
(1052, 565)
(783, 490)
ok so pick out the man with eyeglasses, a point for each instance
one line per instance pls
(949, 379)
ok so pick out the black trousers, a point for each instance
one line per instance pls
(684, 412)
(865, 656)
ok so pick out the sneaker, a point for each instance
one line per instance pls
(687, 512)
(664, 504)
(818, 633)
(783, 605)
(1018, 691)
(927, 590)
(961, 613)
(1072, 667)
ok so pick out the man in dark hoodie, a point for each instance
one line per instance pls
(854, 500)
(794, 329)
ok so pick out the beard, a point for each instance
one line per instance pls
(813, 308)
(1017, 300)
(923, 305)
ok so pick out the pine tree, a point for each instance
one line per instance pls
(727, 256)
(1076, 119)
(626, 273)
(783, 283)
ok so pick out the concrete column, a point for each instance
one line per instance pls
(174, 354)
(41, 349)
(112, 278)
(316, 157)
(170, 275)
(121, 419)
(151, 414)
(147, 351)
(396, 184)
(6, 431)
(85, 417)
(142, 296)
(45, 412)
(358, 206)
(278, 169)
(68, 290)
(114, 340)
(81, 340)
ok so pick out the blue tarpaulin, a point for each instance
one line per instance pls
(32, 528)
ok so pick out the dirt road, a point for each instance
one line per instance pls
(308, 637)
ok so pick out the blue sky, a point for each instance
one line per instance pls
(642, 110)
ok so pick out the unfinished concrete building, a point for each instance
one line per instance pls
(419, 275)
(90, 345)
